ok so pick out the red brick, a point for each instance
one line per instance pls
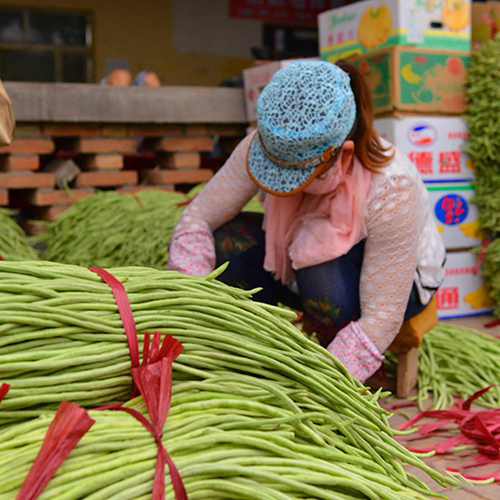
(136, 189)
(153, 130)
(16, 163)
(194, 176)
(106, 178)
(4, 197)
(196, 130)
(181, 144)
(114, 131)
(31, 228)
(25, 130)
(29, 147)
(227, 130)
(179, 160)
(71, 130)
(84, 145)
(46, 197)
(24, 180)
(101, 162)
(51, 213)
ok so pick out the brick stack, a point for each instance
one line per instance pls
(110, 156)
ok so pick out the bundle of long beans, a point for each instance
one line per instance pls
(115, 229)
(13, 241)
(456, 362)
(62, 338)
(230, 436)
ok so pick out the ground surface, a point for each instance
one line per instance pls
(472, 492)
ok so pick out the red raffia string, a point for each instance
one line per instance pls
(4, 389)
(478, 429)
(482, 255)
(1, 258)
(126, 315)
(70, 424)
(154, 381)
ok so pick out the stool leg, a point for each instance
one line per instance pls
(407, 372)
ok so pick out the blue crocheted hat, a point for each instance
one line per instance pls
(304, 115)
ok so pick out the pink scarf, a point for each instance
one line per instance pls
(318, 224)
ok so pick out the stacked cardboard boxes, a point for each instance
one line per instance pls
(414, 55)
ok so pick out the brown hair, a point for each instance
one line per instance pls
(367, 145)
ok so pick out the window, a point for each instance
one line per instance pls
(45, 46)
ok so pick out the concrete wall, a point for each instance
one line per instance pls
(186, 42)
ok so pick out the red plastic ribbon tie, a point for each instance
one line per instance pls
(4, 389)
(70, 424)
(478, 429)
(125, 311)
(154, 381)
(1, 258)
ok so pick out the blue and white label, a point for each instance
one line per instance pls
(422, 135)
(451, 209)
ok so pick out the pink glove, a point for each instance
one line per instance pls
(356, 351)
(192, 252)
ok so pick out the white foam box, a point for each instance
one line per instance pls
(257, 77)
(435, 144)
(456, 216)
(374, 24)
(463, 292)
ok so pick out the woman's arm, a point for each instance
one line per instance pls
(191, 249)
(387, 276)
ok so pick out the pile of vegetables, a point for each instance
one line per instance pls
(13, 241)
(115, 229)
(456, 362)
(482, 111)
(256, 404)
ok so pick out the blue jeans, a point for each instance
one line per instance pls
(328, 293)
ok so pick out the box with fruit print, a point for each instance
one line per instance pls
(463, 292)
(375, 24)
(415, 80)
(456, 215)
(435, 144)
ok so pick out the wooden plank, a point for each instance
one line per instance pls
(16, 163)
(196, 130)
(29, 146)
(22, 180)
(27, 130)
(46, 197)
(114, 131)
(194, 176)
(136, 189)
(88, 145)
(227, 130)
(106, 178)
(178, 160)
(110, 161)
(4, 197)
(407, 372)
(51, 213)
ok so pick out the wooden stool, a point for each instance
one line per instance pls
(406, 344)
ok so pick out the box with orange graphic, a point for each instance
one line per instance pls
(435, 144)
(375, 24)
(463, 292)
(456, 215)
(415, 80)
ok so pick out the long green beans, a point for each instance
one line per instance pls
(456, 362)
(13, 241)
(224, 444)
(62, 338)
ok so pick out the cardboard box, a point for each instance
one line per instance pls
(257, 77)
(456, 216)
(463, 292)
(415, 80)
(435, 144)
(375, 24)
(485, 22)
